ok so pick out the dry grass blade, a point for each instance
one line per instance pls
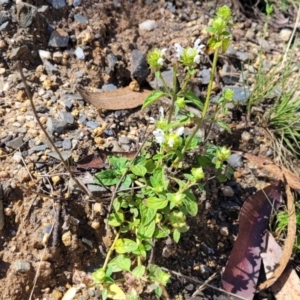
(289, 242)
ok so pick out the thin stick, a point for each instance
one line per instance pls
(202, 282)
(29, 95)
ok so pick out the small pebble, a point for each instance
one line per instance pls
(224, 231)
(4, 174)
(67, 238)
(148, 25)
(246, 136)
(227, 191)
(22, 266)
(235, 160)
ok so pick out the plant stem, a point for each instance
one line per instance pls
(205, 108)
(174, 94)
(111, 249)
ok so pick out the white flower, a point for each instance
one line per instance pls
(160, 61)
(179, 50)
(171, 142)
(163, 51)
(198, 46)
(179, 131)
(159, 136)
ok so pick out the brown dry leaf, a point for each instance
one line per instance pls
(277, 171)
(289, 242)
(287, 286)
(123, 98)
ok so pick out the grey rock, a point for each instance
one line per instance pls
(229, 75)
(109, 87)
(124, 140)
(20, 52)
(28, 15)
(235, 160)
(79, 74)
(227, 191)
(95, 188)
(22, 266)
(50, 68)
(68, 105)
(76, 2)
(3, 16)
(82, 119)
(67, 144)
(4, 25)
(230, 50)
(59, 144)
(54, 125)
(59, 38)
(65, 154)
(139, 66)
(71, 97)
(39, 148)
(264, 44)
(230, 206)
(15, 143)
(66, 117)
(80, 19)
(87, 242)
(167, 75)
(42, 109)
(112, 60)
(241, 94)
(79, 53)
(109, 132)
(42, 9)
(57, 3)
(4, 2)
(205, 76)
(92, 124)
(243, 56)
(267, 65)
(117, 4)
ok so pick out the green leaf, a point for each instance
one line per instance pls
(104, 294)
(139, 271)
(138, 170)
(120, 263)
(156, 203)
(118, 162)
(190, 203)
(147, 214)
(192, 98)
(125, 246)
(106, 177)
(126, 183)
(146, 231)
(188, 177)
(116, 219)
(162, 232)
(152, 97)
(223, 125)
(158, 156)
(176, 235)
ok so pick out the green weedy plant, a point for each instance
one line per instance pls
(156, 194)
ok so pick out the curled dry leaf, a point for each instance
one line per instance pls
(241, 273)
(288, 244)
(123, 98)
(287, 286)
(276, 171)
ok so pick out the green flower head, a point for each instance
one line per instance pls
(180, 102)
(189, 56)
(197, 173)
(155, 58)
(219, 25)
(177, 219)
(223, 153)
(228, 94)
(224, 12)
